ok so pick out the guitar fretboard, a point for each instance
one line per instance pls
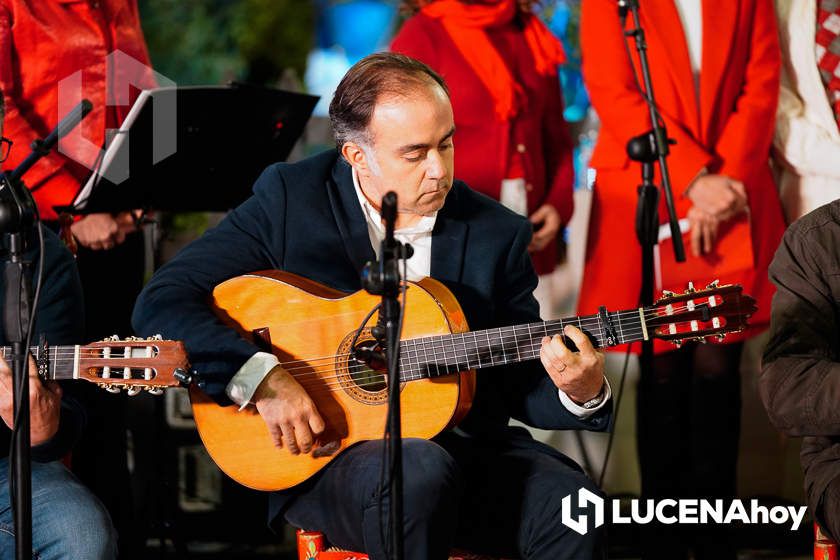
(62, 360)
(447, 354)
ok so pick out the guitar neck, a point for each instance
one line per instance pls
(444, 355)
(59, 362)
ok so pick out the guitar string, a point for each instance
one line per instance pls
(438, 351)
(443, 343)
(412, 358)
(408, 373)
(448, 345)
(588, 322)
(429, 345)
(413, 372)
(442, 348)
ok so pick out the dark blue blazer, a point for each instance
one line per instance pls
(305, 218)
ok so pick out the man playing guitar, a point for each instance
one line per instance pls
(484, 485)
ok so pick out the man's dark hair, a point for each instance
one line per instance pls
(366, 82)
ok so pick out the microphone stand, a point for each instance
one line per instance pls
(648, 148)
(382, 277)
(18, 217)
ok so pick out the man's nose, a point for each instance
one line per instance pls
(436, 167)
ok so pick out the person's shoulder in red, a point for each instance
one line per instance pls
(417, 38)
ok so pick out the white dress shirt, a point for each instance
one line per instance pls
(691, 16)
(245, 382)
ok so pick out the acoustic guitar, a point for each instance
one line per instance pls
(132, 365)
(316, 333)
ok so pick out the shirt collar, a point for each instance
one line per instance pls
(374, 218)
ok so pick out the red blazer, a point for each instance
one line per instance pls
(43, 42)
(482, 143)
(728, 130)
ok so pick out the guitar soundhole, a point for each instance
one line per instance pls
(368, 374)
(361, 370)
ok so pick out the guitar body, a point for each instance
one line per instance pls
(311, 328)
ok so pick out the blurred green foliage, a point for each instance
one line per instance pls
(215, 41)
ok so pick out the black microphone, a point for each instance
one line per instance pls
(389, 214)
(40, 148)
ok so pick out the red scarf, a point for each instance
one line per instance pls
(466, 23)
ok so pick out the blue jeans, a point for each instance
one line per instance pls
(67, 520)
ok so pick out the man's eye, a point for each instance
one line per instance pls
(444, 147)
(414, 158)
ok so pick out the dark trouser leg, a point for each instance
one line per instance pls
(715, 429)
(344, 501)
(663, 436)
(512, 501)
(689, 420)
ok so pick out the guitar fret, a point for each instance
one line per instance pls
(419, 370)
(530, 337)
(426, 367)
(490, 354)
(466, 352)
(438, 345)
(516, 345)
(502, 339)
(414, 361)
(426, 345)
(621, 338)
(417, 364)
(405, 364)
(441, 345)
(476, 350)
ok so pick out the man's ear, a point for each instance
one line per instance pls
(356, 157)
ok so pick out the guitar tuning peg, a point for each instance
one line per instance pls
(690, 289)
(720, 337)
(677, 343)
(713, 284)
(133, 390)
(701, 339)
(667, 293)
(157, 337)
(112, 338)
(111, 388)
(154, 390)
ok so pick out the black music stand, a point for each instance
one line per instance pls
(220, 138)
(223, 138)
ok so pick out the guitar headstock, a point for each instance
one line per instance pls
(697, 315)
(134, 364)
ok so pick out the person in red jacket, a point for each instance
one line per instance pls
(53, 53)
(715, 70)
(500, 62)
